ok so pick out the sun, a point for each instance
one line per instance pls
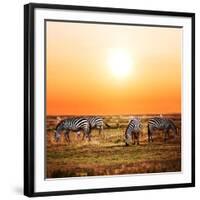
(120, 63)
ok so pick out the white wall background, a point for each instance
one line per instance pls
(11, 97)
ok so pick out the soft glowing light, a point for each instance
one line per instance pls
(120, 63)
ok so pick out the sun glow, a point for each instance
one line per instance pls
(120, 63)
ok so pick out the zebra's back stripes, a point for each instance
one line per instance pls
(75, 124)
(97, 122)
(160, 123)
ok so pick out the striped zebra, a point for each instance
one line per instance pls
(133, 131)
(160, 123)
(74, 124)
(96, 122)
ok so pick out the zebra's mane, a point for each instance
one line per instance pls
(60, 123)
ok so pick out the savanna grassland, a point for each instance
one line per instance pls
(106, 154)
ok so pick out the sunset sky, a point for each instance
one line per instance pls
(112, 69)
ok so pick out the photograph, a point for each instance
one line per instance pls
(113, 99)
(109, 99)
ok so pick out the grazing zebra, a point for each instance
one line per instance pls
(133, 130)
(96, 122)
(74, 124)
(160, 123)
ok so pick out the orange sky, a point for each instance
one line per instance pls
(80, 79)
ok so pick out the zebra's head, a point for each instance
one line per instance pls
(57, 131)
(137, 124)
(57, 135)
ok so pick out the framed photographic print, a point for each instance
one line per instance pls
(109, 99)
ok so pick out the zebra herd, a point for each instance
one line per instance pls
(77, 124)
(132, 133)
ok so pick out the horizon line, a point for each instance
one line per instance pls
(171, 113)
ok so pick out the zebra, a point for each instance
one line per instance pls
(160, 123)
(74, 124)
(96, 122)
(133, 130)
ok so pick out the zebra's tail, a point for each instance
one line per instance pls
(107, 125)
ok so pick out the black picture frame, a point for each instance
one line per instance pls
(29, 109)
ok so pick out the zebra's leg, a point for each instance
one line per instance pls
(101, 130)
(133, 138)
(138, 142)
(78, 134)
(168, 133)
(148, 138)
(87, 132)
(89, 137)
(83, 136)
(151, 137)
(165, 134)
(152, 130)
(67, 136)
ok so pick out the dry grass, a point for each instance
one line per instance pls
(106, 154)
